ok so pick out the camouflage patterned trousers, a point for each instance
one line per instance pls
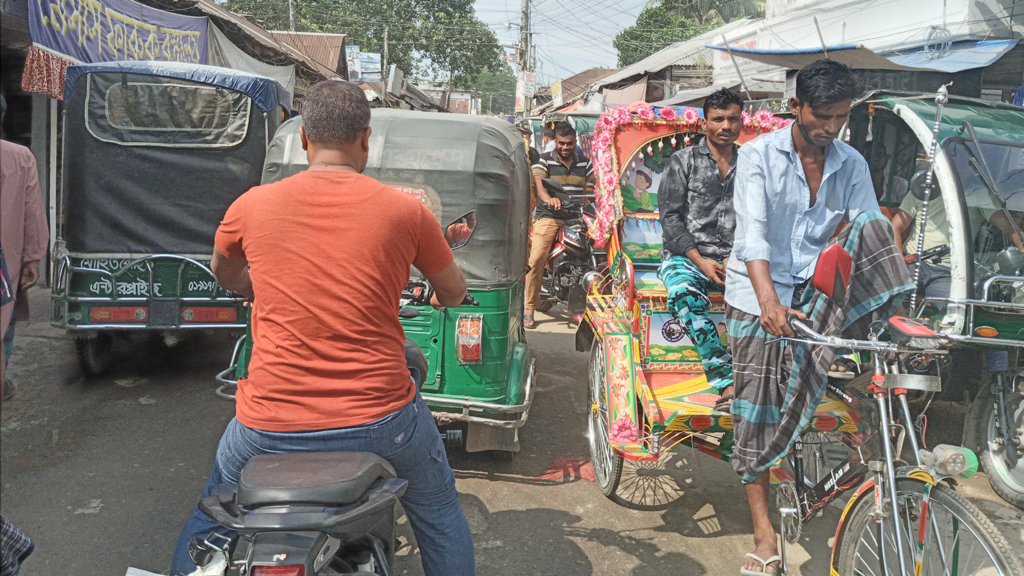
(688, 301)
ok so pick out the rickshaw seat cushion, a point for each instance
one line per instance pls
(327, 478)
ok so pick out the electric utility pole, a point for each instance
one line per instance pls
(525, 63)
(291, 15)
(384, 70)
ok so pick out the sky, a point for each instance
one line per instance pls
(571, 35)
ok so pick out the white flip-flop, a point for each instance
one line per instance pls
(764, 566)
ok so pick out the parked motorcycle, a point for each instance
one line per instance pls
(573, 260)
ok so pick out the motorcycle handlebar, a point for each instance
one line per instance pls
(420, 293)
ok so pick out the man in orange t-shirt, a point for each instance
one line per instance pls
(324, 255)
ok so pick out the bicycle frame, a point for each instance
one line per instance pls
(851, 472)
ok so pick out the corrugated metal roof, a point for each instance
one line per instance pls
(325, 49)
(214, 10)
(687, 52)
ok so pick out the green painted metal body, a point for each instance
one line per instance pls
(114, 282)
(498, 379)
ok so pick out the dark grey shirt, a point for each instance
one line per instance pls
(695, 205)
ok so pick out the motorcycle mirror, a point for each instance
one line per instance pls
(461, 230)
(917, 182)
(553, 186)
(832, 273)
(534, 156)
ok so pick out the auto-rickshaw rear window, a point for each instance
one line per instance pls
(135, 110)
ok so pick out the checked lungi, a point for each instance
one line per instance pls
(779, 384)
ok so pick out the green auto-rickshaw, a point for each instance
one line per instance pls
(481, 375)
(978, 200)
(154, 153)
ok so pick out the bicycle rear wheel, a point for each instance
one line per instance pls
(961, 540)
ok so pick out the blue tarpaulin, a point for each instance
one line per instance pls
(962, 55)
(266, 93)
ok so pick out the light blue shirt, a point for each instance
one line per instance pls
(773, 220)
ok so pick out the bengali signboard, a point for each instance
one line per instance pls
(530, 83)
(116, 30)
(556, 93)
(362, 66)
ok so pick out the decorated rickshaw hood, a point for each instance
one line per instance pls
(623, 131)
(454, 163)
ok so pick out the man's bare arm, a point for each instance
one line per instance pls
(542, 193)
(901, 222)
(232, 274)
(1000, 221)
(773, 313)
(449, 286)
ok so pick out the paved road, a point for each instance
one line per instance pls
(102, 473)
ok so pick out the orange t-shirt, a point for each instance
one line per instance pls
(329, 253)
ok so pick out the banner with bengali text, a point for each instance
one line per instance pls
(113, 30)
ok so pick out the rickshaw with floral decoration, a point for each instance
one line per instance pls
(647, 391)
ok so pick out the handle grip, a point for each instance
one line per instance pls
(470, 301)
(795, 324)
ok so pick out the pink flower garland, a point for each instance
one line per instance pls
(608, 190)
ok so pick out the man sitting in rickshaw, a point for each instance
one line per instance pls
(934, 280)
(804, 182)
(697, 220)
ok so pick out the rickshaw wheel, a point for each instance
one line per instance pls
(979, 435)
(607, 464)
(94, 353)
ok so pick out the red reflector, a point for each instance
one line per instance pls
(470, 337)
(209, 315)
(296, 570)
(119, 314)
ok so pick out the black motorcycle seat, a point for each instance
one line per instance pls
(327, 478)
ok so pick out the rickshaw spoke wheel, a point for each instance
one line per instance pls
(959, 539)
(648, 485)
(607, 465)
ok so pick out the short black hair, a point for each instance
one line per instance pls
(826, 82)
(335, 112)
(722, 99)
(548, 132)
(564, 129)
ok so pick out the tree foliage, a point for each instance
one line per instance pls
(497, 90)
(656, 28)
(431, 38)
(706, 11)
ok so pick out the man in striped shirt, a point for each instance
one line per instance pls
(573, 170)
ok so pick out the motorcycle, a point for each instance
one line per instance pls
(314, 513)
(573, 261)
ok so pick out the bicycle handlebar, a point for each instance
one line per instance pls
(812, 337)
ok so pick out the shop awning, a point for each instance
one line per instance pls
(962, 55)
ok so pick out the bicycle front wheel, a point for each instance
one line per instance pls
(957, 539)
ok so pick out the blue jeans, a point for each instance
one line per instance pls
(408, 439)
